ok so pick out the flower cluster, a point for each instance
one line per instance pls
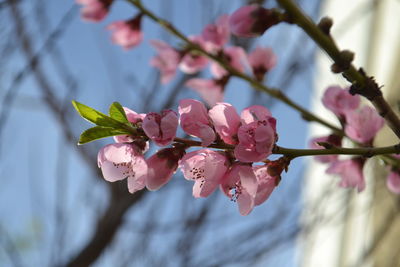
(213, 39)
(246, 139)
(361, 124)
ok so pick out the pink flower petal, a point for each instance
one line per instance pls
(364, 124)
(351, 173)
(226, 122)
(206, 167)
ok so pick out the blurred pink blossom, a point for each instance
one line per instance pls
(235, 56)
(192, 61)
(94, 10)
(362, 125)
(127, 33)
(217, 34)
(339, 100)
(166, 61)
(252, 20)
(350, 172)
(261, 60)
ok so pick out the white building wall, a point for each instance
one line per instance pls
(337, 222)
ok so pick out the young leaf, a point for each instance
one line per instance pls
(117, 112)
(98, 132)
(95, 116)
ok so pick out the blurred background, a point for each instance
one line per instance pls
(57, 210)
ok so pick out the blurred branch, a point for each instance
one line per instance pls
(10, 248)
(106, 228)
(33, 61)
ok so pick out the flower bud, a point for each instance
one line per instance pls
(127, 33)
(252, 20)
(161, 167)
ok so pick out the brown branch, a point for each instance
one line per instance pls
(106, 228)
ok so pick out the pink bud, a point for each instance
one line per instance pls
(226, 122)
(194, 120)
(339, 100)
(161, 167)
(133, 118)
(393, 181)
(94, 10)
(120, 161)
(210, 90)
(362, 125)
(252, 20)
(127, 33)
(206, 168)
(240, 184)
(166, 61)
(161, 128)
(351, 173)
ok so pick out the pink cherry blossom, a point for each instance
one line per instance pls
(363, 124)
(161, 128)
(226, 122)
(119, 161)
(266, 184)
(350, 172)
(339, 100)
(192, 61)
(261, 60)
(330, 139)
(161, 167)
(251, 21)
(235, 56)
(133, 118)
(94, 10)
(240, 184)
(210, 90)
(217, 34)
(393, 181)
(206, 168)
(256, 141)
(166, 61)
(257, 134)
(194, 120)
(127, 33)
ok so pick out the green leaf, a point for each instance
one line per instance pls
(117, 112)
(95, 116)
(98, 132)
